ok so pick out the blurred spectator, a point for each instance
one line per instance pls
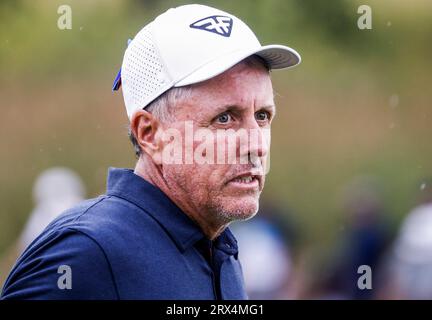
(55, 190)
(265, 254)
(410, 263)
(365, 238)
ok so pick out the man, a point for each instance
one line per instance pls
(160, 232)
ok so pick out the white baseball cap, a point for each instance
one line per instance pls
(187, 45)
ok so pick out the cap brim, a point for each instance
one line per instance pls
(276, 57)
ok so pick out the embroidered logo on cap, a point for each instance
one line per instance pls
(220, 25)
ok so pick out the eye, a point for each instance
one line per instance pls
(262, 116)
(224, 117)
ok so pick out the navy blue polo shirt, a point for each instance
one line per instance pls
(132, 243)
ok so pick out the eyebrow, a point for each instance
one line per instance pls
(234, 107)
(271, 108)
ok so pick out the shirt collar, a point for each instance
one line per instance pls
(124, 183)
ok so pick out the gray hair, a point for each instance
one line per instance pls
(163, 107)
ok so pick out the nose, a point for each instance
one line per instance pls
(257, 146)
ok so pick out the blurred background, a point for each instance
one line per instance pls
(350, 180)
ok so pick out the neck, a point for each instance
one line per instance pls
(149, 171)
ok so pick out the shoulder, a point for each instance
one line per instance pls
(68, 265)
(100, 240)
(101, 219)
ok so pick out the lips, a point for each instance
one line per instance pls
(246, 180)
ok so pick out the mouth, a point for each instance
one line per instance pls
(246, 181)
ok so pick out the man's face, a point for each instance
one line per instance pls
(241, 99)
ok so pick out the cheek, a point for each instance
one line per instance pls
(212, 177)
(209, 166)
(199, 181)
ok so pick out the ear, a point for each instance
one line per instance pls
(146, 129)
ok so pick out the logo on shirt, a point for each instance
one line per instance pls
(220, 25)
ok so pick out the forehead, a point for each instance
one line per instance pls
(243, 85)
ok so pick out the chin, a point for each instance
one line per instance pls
(236, 208)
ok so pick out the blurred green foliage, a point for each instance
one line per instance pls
(358, 104)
